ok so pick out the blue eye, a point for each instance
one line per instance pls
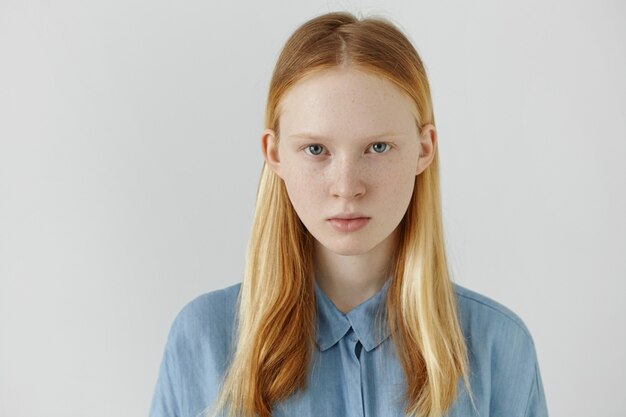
(316, 149)
(315, 146)
(381, 143)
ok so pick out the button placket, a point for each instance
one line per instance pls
(354, 376)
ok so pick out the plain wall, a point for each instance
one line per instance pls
(130, 156)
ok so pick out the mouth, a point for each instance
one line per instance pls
(349, 216)
(349, 224)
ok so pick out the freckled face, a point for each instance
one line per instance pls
(360, 155)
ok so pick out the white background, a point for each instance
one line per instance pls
(130, 156)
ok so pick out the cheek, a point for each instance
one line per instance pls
(302, 190)
(396, 189)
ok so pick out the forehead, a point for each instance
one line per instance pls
(345, 101)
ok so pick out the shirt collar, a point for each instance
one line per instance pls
(365, 319)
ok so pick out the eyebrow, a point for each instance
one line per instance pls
(312, 136)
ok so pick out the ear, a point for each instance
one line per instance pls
(269, 146)
(428, 147)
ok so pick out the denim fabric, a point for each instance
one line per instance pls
(355, 370)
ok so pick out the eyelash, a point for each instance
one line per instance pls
(317, 144)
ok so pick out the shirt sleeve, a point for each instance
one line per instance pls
(536, 406)
(165, 398)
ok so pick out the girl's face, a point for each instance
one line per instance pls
(349, 144)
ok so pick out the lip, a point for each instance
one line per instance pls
(349, 225)
(346, 216)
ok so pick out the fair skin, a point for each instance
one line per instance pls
(349, 143)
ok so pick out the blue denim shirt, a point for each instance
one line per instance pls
(355, 370)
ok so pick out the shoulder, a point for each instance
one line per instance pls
(480, 309)
(502, 355)
(215, 304)
(498, 339)
(197, 351)
(494, 333)
(207, 321)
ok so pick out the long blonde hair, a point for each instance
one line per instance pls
(276, 305)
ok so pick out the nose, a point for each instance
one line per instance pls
(347, 180)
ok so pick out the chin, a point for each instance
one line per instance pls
(349, 248)
(347, 252)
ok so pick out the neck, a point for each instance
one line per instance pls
(350, 280)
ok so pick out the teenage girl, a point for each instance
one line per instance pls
(346, 307)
